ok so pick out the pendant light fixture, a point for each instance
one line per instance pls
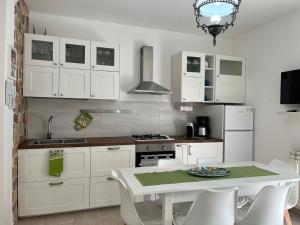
(215, 16)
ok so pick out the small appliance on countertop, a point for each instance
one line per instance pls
(190, 131)
(203, 129)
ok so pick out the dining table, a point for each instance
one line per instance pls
(173, 181)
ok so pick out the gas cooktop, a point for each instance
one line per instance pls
(151, 137)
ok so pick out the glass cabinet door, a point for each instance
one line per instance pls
(230, 79)
(231, 67)
(193, 64)
(105, 56)
(74, 54)
(41, 50)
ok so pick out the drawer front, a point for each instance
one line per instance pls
(34, 164)
(53, 196)
(104, 192)
(106, 158)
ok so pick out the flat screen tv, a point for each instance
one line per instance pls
(290, 87)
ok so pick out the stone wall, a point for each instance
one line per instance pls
(21, 27)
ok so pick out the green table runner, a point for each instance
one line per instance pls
(182, 176)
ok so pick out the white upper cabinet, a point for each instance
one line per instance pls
(193, 64)
(40, 81)
(75, 54)
(105, 56)
(188, 70)
(230, 79)
(105, 85)
(192, 89)
(74, 83)
(41, 50)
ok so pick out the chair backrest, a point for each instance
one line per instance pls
(268, 207)
(169, 162)
(213, 207)
(289, 168)
(128, 211)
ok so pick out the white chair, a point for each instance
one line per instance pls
(268, 207)
(143, 213)
(284, 167)
(169, 162)
(212, 207)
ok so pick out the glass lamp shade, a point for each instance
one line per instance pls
(215, 16)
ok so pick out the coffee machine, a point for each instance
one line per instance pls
(202, 129)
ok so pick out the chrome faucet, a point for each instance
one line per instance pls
(49, 134)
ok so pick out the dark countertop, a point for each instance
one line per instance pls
(106, 141)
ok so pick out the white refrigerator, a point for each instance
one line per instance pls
(233, 124)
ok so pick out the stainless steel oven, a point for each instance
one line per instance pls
(149, 154)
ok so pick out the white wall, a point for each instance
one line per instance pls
(270, 50)
(6, 115)
(166, 44)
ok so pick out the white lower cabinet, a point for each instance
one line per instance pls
(53, 196)
(104, 159)
(85, 182)
(104, 192)
(34, 164)
(194, 153)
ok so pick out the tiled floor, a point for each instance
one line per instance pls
(106, 216)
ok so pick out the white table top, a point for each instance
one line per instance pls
(137, 189)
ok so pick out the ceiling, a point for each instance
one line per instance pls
(175, 15)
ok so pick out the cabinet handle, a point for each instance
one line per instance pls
(218, 75)
(179, 145)
(189, 150)
(55, 64)
(110, 178)
(113, 148)
(184, 73)
(56, 183)
(217, 100)
(61, 95)
(93, 96)
(184, 99)
(54, 94)
(93, 67)
(61, 64)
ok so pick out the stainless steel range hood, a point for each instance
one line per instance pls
(147, 86)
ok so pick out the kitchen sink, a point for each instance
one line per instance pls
(58, 141)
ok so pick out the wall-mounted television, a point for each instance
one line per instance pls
(290, 87)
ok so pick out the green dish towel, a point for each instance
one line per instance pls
(56, 162)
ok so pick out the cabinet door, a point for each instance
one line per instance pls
(205, 153)
(41, 50)
(181, 152)
(230, 80)
(193, 64)
(104, 192)
(74, 54)
(192, 89)
(53, 196)
(105, 85)
(33, 164)
(40, 81)
(74, 83)
(106, 158)
(105, 56)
